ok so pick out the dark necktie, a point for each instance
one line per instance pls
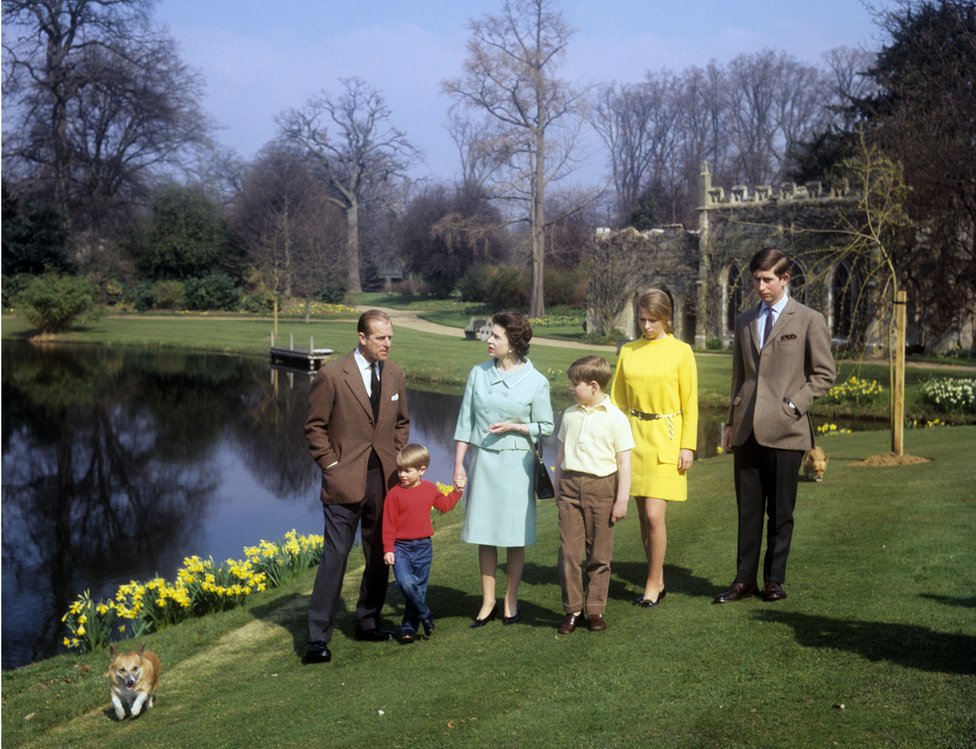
(768, 327)
(374, 389)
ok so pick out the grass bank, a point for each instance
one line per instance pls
(443, 361)
(875, 646)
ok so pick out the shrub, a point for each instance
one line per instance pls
(333, 290)
(497, 286)
(258, 301)
(713, 343)
(169, 295)
(142, 296)
(564, 287)
(53, 303)
(951, 394)
(213, 291)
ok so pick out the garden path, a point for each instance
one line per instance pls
(412, 320)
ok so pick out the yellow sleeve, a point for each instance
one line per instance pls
(688, 393)
(618, 387)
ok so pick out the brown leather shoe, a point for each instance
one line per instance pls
(596, 623)
(570, 621)
(773, 591)
(736, 592)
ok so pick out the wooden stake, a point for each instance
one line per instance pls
(898, 396)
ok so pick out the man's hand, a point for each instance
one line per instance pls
(389, 558)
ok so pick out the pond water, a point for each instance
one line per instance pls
(118, 463)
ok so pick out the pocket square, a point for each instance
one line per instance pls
(788, 337)
(396, 396)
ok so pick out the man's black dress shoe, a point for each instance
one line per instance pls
(736, 592)
(374, 635)
(773, 592)
(317, 652)
(482, 622)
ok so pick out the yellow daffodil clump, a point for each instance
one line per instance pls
(200, 588)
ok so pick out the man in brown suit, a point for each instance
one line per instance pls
(357, 422)
(781, 363)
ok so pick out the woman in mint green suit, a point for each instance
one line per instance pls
(505, 410)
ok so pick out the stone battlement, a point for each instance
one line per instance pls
(712, 197)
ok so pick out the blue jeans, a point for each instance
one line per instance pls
(411, 567)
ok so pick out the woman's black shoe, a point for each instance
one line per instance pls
(514, 618)
(646, 603)
(482, 622)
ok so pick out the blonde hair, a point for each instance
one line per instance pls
(413, 456)
(657, 305)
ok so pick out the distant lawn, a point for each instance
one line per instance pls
(441, 361)
(875, 646)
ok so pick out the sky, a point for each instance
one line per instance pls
(259, 58)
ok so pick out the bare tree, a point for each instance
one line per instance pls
(100, 99)
(478, 151)
(638, 124)
(847, 82)
(361, 154)
(285, 222)
(510, 76)
(774, 103)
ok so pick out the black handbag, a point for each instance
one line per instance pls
(543, 481)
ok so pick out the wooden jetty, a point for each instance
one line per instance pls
(300, 359)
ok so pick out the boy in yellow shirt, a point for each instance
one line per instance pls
(593, 489)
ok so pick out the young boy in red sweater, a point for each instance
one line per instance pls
(407, 532)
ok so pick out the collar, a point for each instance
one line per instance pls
(511, 378)
(601, 406)
(781, 304)
(361, 360)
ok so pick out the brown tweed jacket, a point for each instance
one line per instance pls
(341, 432)
(795, 364)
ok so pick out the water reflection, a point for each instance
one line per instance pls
(118, 463)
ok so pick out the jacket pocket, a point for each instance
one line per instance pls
(668, 456)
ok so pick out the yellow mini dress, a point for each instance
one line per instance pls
(658, 378)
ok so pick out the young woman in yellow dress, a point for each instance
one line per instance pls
(656, 385)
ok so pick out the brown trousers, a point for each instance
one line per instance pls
(585, 536)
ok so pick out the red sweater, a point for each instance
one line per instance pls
(406, 511)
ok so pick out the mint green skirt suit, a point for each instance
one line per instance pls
(500, 494)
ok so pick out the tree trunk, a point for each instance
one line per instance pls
(352, 247)
(537, 300)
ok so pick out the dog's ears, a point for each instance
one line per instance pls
(142, 648)
(112, 651)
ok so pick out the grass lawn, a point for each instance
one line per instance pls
(438, 361)
(875, 646)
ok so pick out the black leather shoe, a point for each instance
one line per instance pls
(646, 603)
(482, 622)
(374, 635)
(317, 652)
(514, 618)
(736, 592)
(569, 623)
(773, 591)
(428, 625)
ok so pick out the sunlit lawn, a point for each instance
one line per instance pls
(875, 646)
